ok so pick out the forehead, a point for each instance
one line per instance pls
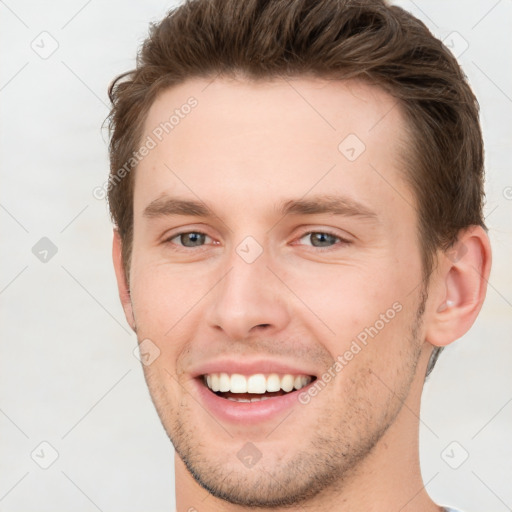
(259, 139)
(304, 106)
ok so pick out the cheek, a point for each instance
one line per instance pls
(347, 297)
(164, 298)
(362, 315)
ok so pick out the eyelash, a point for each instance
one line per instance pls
(340, 241)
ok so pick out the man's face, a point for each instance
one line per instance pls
(306, 252)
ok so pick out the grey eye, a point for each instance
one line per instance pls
(318, 239)
(192, 239)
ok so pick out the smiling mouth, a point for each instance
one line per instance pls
(254, 388)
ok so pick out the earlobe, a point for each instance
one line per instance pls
(122, 283)
(461, 286)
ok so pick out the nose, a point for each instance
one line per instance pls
(249, 298)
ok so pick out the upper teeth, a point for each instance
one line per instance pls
(257, 383)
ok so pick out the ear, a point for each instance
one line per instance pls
(460, 286)
(122, 284)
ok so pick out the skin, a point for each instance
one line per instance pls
(244, 149)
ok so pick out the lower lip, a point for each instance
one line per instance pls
(246, 412)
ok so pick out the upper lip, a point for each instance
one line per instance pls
(243, 367)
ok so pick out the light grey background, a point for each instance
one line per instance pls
(68, 376)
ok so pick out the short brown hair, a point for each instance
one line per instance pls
(333, 39)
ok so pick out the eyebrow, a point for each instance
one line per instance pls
(330, 204)
(167, 206)
(324, 204)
